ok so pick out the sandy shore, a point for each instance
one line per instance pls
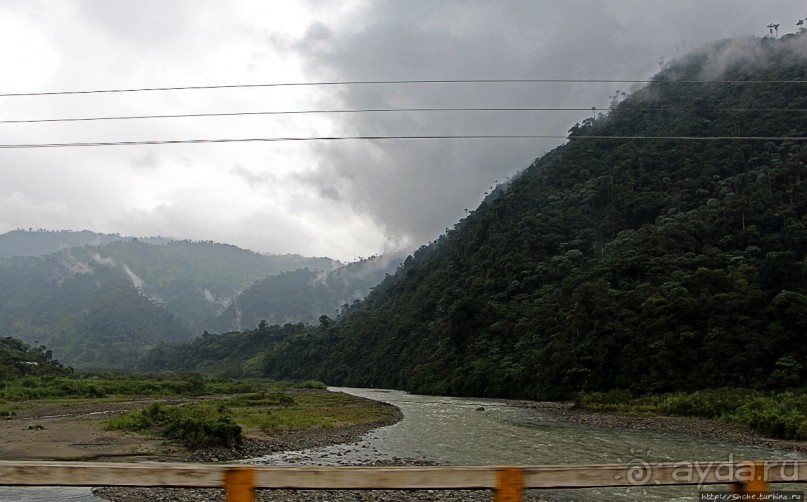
(74, 431)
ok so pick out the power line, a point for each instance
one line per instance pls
(272, 140)
(403, 82)
(390, 110)
(296, 112)
(379, 138)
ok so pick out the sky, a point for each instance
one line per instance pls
(341, 199)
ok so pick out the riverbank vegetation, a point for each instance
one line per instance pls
(193, 425)
(196, 410)
(118, 385)
(778, 415)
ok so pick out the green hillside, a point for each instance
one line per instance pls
(649, 265)
(90, 315)
(103, 306)
(198, 280)
(235, 354)
(303, 295)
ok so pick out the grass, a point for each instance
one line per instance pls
(308, 409)
(7, 411)
(256, 404)
(221, 421)
(780, 415)
(113, 385)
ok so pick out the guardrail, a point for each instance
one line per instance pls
(507, 482)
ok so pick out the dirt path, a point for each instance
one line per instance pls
(74, 431)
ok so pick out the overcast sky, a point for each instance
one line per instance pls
(339, 199)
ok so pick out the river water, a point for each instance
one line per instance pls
(455, 431)
(46, 494)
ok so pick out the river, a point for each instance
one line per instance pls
(455, 431)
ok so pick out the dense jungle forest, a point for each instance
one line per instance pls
(662, 248)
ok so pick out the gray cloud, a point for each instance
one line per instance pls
(148, 22)
(416, 188)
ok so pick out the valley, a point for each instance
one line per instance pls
(637, 293)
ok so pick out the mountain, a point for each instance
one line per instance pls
(674, 263)
(291, 299)
(41, 242)
(102, 306)
(303, 295)
(90, 314)
(198, 280)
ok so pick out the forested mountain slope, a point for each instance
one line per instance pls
(303, 295)
(102, 306)
(234, 354)
(291, 299)
(642, 264)
(198, 280)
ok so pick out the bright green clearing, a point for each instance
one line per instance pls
(307, 409)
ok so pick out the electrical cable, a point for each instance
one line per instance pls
(388, 110)
(385, 110)
(402, 82)
(378, 138)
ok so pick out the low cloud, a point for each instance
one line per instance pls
(414, 189)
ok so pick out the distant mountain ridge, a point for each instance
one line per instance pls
(102, 305)
(41, 242)
(303, 295)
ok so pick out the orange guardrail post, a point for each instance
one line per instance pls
(754, 483)
(239, 483)
(509, 485)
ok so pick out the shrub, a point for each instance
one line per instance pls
(713, 403)
(783, 416)
(614, 399)
(194, 425)
(311, 384)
